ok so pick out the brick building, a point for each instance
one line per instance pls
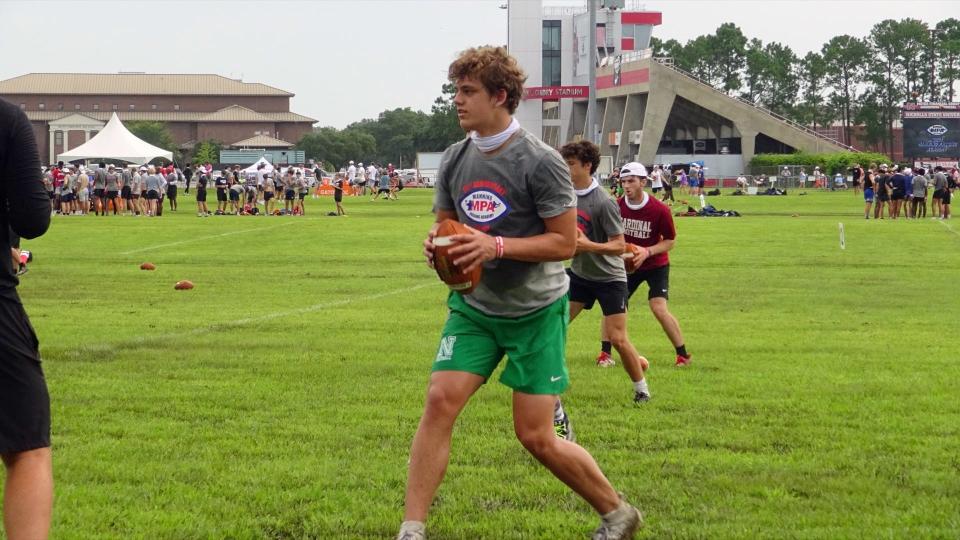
(66, 109)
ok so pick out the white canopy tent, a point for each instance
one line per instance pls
(116, 142)
(253, 168)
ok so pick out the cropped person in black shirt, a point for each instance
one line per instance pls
(24, 402)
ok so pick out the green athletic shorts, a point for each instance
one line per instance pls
(534, 344)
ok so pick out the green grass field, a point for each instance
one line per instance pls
(279, 397)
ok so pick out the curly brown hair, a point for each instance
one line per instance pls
(583, 151)
(494, 68)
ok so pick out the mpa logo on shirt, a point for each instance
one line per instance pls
(483, 206)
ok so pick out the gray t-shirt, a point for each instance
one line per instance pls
(98, 178)
(919, 186)
(508, 194)
(152, 182)
(598, 216)
(111, 182)
(939, 181)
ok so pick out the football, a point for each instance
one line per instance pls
(148, 266)
(449, 273)
(629, 250)
(183, 285)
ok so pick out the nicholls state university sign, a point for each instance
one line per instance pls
(555, 92)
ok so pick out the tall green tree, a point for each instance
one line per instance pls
(887, 80)
(755, 66)
(845, 58)
(728, 55)
(155, 133)
(781, 83)
(811, 74)
(443, 127)
(207, 151)
(946, 46)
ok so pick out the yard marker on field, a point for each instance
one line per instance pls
(843, 240)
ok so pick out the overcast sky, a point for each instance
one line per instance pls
(350, 59)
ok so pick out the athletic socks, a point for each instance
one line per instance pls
(641, 386)
(558, 411)
(605, 346)
(682, 351)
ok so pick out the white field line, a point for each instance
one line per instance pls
(949, 228)
(201, 238)
(140, 340)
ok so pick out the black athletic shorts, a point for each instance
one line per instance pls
(657, 190)
(98, 192)
(112, 194)
(125, 193)
(234, 195)
(267, 195)
(658, 279)
(302, 195)
(66, 197)
(338, 195)
(24, 402)
(938, 194)
(612, 295)
(222, 195)
(152, 195)
(383, 190)
(897, 195)
(172, 192)
(883, 196)
(51, 194)
(946, 196)
(288, 195)
(201, 195)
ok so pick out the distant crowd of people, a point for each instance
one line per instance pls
(899, 191)
(373, 179)
(663, 178)
(142, 190)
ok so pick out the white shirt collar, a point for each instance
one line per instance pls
(586, 191)
(646, 199)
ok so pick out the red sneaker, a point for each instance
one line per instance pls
(682, 361)
(605, 360)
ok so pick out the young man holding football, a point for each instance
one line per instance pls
(647, 223)
(515, 191)
(597, 272)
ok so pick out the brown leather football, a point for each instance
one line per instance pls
(148, 266)
(629, 250)
(450, 273)
(183, 285)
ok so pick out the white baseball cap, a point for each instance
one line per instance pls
(633, 169)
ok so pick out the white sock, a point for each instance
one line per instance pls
(411, 526)
(557, 411)
(641, 386)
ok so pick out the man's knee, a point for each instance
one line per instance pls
(37, 455)
(537, 442)
(659, 307)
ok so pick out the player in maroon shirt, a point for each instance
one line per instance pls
(647, 223)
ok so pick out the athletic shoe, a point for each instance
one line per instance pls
(412, 530)
(682, 361)
(23, 270)
(639, 398)
(605, 360)
(621, 524)
(563, 429)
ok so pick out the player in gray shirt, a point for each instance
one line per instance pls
(939, 189)
(515, 192)
(597, 273)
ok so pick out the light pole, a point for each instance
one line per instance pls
(592, 74)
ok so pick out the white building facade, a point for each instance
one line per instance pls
(552, 45)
